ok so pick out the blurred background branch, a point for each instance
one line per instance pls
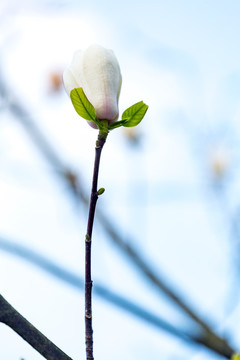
(210, 341)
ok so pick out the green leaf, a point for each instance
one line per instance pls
(81, 104)
(116, 124)
(235, 357)
(134, 114)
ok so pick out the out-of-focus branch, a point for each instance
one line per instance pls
(47, 150)
(137, 259)
(76, 281)
(113, 298)
(12, 318)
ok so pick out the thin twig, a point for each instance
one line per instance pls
(88, 242)
(12, 318)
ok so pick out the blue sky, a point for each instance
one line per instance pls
(182, 58)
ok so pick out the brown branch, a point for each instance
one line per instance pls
(12, 318)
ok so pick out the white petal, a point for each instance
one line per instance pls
(101, 79)
(72, 76)
(69, 81)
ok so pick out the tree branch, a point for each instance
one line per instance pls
(12, 318)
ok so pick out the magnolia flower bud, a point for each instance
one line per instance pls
(97, 71)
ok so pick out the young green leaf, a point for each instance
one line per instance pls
(134, 114)
(101, 191)
(235, 357)
(81, 104)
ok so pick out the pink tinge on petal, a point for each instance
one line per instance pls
(92, 124)
(107, 109)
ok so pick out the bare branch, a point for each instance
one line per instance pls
(12, 318)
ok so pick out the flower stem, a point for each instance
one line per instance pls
(88, 242)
